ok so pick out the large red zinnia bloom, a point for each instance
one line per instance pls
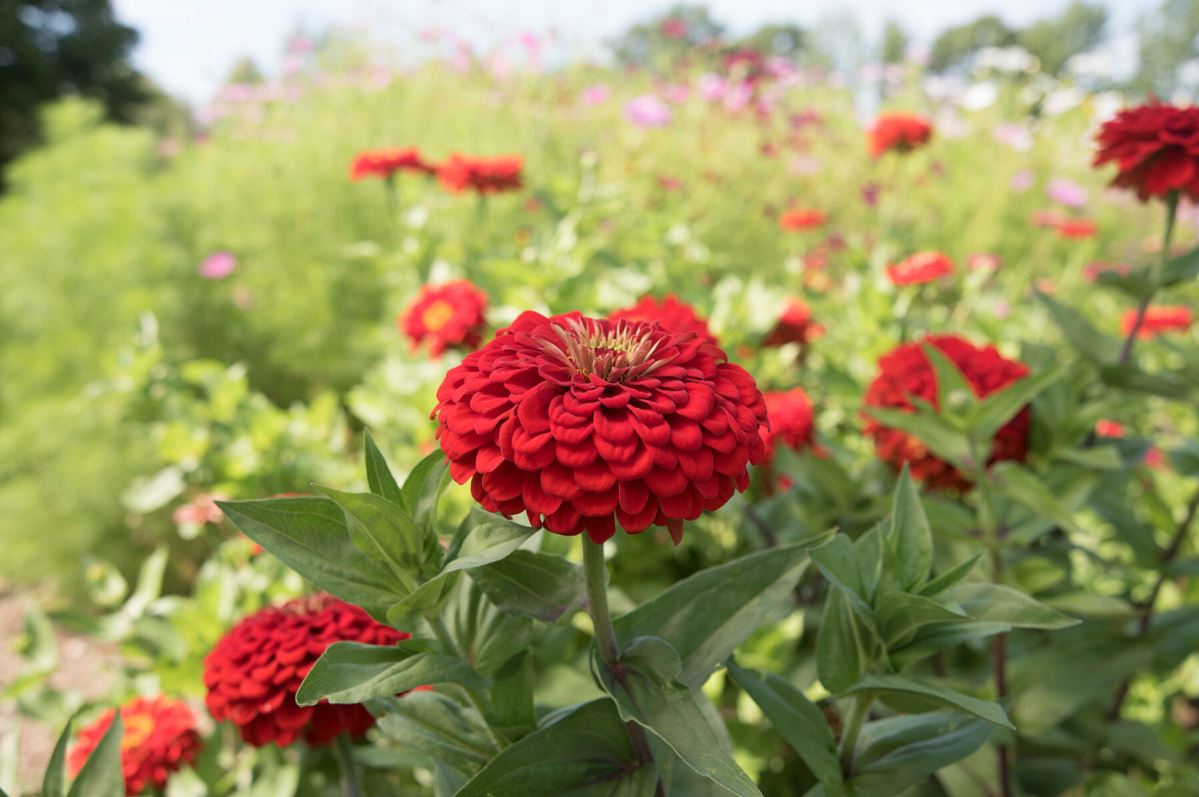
(906, 371)
(1163, 318)
(581, 423)
(920, 268)
(790, 414)
(797, 219)
(383, 163)
(253, 673)
(795, 325)
(461, 173)
(899, 132)
(446, 315)
(159, 738)
(1155, 148)
(669, 311)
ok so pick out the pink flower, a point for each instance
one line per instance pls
(1022, 180)
(1066, 192)
(218, 265)
(201, 510)
(711, 86)
(648, 111)
(676, 94)
(595, 95)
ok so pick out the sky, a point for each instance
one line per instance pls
(189, 46)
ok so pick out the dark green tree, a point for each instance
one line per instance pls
(52, 48)
(1166, 39)
(667, 37)
(1056, 39)
(895, 42)
(955, 45)
(787, 41)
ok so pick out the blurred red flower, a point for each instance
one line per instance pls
(446, 316)
(899, 132)
(795, 325)
(905, 371)
(1105, 427)
(254, 671)
(794, 219)
(383, 163)
(582, 423)
(1076, 229)
(920, 268)
(790, 415)
(1163, 318)
(670, 312)
(1155, 148)
(159, 738)
(462, 173)
(673, 28)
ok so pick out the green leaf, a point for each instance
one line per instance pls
(351, 672)
(1099, 457)
(490, 538)
(512, 696)
(646, 691)
(54, 784)
(583, 751)
(955, 396)
(899, 752)
(101, 776)
(932, 430)
(423, 488)
(1017, 483)
(1001, 406)
(1181, 269)
(1185, 458)
(950, 577)
(901, 615)
(488, 637)
(911, 688)
(378, 475)
(1165, 384)
(1081, 333)
(842, 651)
(798, 720)
(999, 604)
(836, 562)
(309, 535)
(447, 731)
(707, 615)
(910, 537)
(530, 584)
(424, 601)
(941, 636)
(383, 531)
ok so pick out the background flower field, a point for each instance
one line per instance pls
(189, 319)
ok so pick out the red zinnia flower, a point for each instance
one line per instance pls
(1105, 427)
(1155, 148)
(580, 423)
(462, 173)
(670, 312)
(254, 671)
(906, 371)
(446, 315)
(920, 268)
(1164, 318)
(901, 132)
(790, 415)
(1076, 229)
(795, 219)
(384, 163)
(159, 738)
(794, 326)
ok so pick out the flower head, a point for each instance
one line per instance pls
(794, 219)
(1066, 192)
(898, 132)
(648, 111)
(218, 265)
(461, 173)
(920, 268)
(1155, 148)
(445, 316)
(582, 423)
(253, 673)
(790, 414)
(1076, 229)
(670, 312)
(1159, 319)
(159, 738)
(906, 372)
(795, 325)
(383, 163)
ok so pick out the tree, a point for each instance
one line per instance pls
(667, 37)
(1166, 39)
(1056, 39)
(783, 40)
(51, 48)
(895, 42)
(955, 45)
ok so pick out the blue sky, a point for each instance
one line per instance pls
(189, 45)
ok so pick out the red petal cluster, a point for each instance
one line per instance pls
(253, 673)
(1163, 318)
(1155, 148)
(1076, 229)
(901, 132)
(581, 423)
(905, 371)
(790, 415)
(446, 315)
(796, 219)
(160, 738)
(670, 312)
(920, 268)
(383, 163)
(795, 325)
(461, 173)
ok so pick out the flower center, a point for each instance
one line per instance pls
(437, 315)
(615, 353)
(138, 728)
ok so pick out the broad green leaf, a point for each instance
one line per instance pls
(378, 475)
(910, 688)
(1166, 384)
(798, 720)
(532, 584)
(647, 691)
(54, 784)
(835, 561)
(351, 672)
(842, 650)
(423, 488)
(932, 430)
(444, 729)
(871, 554)
(1081, 333)
(309, 535)
(950, 577)
(1181, 269)
(1099, 457)
(383, 531)
(902, 614)
(1001, 406)
(1185, 458)
(584, 751)
(490, 538)
(999, 604)
(707, 615)
(512, 689)
(101, 776)
(487, 637)
(1017, 483)
(942, 636)
(1134, 285)
(899, 752)
(910, 538)
(422, 602)
(955, 396)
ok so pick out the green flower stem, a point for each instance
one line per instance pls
(344, 751)
(443, 635)
(1154, 277)
(855, 719)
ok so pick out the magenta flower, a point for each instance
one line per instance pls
(1066, 192)
(595, 95)
(218, 265)
(648, 111)
(711, 86)
(1022, 180)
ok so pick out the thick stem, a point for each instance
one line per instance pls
(443, 635)
(855, 719)
(1155, 277)
(349, 770)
